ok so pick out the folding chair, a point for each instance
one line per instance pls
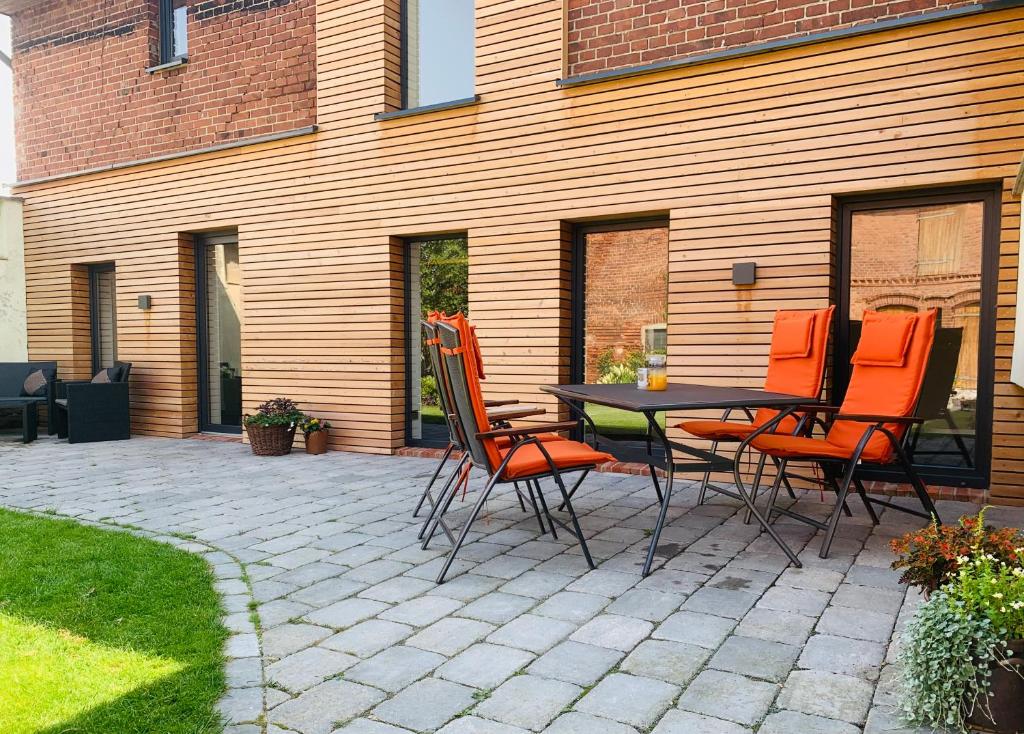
(525, 459)
(796, 366)
(871, 425)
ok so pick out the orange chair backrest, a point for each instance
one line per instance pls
(888, 371)
(796, 362)
(462, 362)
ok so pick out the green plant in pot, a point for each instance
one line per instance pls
(962, 656)
(315, 431)
(272, 427)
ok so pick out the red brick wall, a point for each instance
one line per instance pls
(626, 289)
(614, 34)
(84, 99)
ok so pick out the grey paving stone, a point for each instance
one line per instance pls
(308, 667)
(536, 584)
(768, 624)
(476, 725)
(827, 694)
(720, 602)
(398, 589)
(296, 559)
(869, 598)
(728, 696)
(576, 722)
(532, 632)
(318, 710)
(244, 672)
(857, 623)
(614, 631)
(789, 722)
(574, 662)
(421, 611)
(505, 567)
(654, 606)
(242, 646)
(814, 579)
(345, 613)
(394, 668)
(703, 630)
(425, 705)
(798, 601)
(528, 701)
(496, 608)
(604, 583)
(484, 665)
(572, 606)
(368, 638)
(639, 702)
(450, 636)
(327, 591)
(674, 662)
(882, 578)
(376, 571)
(241, 705)
(755, 658)
(858, 658)
(368, 726)
(686, 722)
(288, 638)
(280, 611)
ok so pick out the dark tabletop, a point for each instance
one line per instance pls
(678, 396)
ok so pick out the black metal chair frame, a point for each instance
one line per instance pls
(840, 474)
(455, 375)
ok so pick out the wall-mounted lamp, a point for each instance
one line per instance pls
(145, 302)
(744, 273)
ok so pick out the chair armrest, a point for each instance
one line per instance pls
(498, 403)
(909, 419)
(513, 412)
(93, 390)
(529, 430)
(61, 386)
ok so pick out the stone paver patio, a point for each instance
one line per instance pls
(355, 637)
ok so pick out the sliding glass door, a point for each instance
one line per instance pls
(219, 332)
(912, 253)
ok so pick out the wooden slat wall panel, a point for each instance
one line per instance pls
(748, 156)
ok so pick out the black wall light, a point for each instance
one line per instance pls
(145, 302)
(744, 273)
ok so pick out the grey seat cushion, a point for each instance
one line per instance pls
(62, 402)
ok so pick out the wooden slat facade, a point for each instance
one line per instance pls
(746, 158)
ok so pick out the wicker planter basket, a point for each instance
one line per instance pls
(271, 440)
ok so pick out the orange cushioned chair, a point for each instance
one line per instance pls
(499, 412)
(525, 458)
(870, 426)
(796, 366)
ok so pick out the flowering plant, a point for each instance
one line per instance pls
(994, 589)
(276, 412)
(933, 555)
(310, 425)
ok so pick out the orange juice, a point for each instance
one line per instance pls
(657, 380)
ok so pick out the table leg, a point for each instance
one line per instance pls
(666, 494)
(29, 423)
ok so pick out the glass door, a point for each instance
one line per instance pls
(219, 332)
(620, 312)
(914, 253)
(103, 315)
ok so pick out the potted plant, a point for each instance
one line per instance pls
(315, 432)
(272, 428)
(962, 657)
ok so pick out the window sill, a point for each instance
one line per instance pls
(410, 112)
(168, 65)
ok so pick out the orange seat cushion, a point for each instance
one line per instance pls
(798, 447)
(529, 461)
(504, 442)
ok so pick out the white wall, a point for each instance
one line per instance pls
(13, 339)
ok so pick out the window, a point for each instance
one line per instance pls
(173, 30)
(940, 235)
(103, 315)
(438, 52)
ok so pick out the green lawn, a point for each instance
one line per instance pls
(104, 633)
(610, 422)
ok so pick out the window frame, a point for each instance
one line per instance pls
(404, 59)
(165, 29)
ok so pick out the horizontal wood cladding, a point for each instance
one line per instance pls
(747, 157)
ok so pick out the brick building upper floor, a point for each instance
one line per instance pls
(100, 83)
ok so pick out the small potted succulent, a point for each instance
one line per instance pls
(272, 427)
(315, 432)
(962, 656)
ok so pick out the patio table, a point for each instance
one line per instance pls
(680, 397)
(29, 415)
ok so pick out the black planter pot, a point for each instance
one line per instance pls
(1006, 699)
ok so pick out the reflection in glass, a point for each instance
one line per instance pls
(916, 258)
(224, 334)
(439, 51)
(104, 317)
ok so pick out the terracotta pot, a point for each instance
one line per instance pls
(1006, 700)
(271, 440)
(316, 442)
